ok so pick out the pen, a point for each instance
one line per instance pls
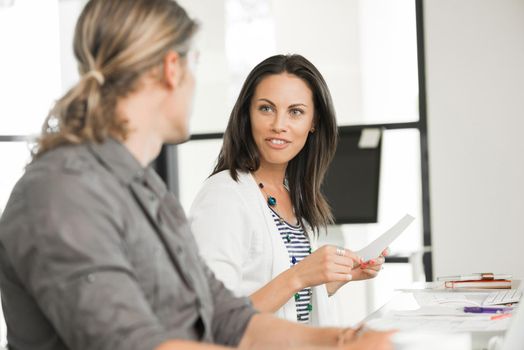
(486, 310)
(499, 317)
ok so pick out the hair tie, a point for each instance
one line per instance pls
(99, 77)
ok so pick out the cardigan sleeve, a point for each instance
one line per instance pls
(219, 221)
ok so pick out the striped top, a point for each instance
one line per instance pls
(298, 247)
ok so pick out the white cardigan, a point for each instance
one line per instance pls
(241, 244)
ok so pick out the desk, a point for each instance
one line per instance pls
(406, 302)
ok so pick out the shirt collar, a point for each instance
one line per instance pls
(117, 158)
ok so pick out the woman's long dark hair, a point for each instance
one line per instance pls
(304, 173)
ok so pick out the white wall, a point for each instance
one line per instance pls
(68, 13)
(475, 89)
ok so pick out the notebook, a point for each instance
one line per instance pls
(487, 284)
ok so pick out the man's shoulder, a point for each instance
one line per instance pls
(67, 159)
(58, 174)
(62, 182)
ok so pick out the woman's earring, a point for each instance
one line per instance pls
(312, 130)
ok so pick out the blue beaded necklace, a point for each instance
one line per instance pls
(271, 201)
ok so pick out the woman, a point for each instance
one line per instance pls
(94, 251)
(256, 218)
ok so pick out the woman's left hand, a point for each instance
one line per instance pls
(369, 269)
(363, 271)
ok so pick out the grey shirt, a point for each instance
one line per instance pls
(95, 253)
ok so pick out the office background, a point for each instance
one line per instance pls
(475, 88)
(367, 51)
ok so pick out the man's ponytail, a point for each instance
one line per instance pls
(115, 43)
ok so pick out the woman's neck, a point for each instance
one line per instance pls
(273, 175)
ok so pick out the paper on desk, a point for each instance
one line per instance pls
(445, 299)
(441, 311)
(375, 248)
(438, 324)
(431, 340)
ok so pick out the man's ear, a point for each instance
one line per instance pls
(172, 69)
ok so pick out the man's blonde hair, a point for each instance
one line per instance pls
(115, 42)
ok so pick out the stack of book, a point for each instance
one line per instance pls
(477, 281)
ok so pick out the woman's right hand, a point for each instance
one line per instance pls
(326, 264)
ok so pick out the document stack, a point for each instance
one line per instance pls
(477, 281)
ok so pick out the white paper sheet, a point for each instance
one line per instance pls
(440, 311)
(375, 248)
(446, 299)
(439, 324)
(431, 341)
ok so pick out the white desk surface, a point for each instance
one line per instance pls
(404, 303)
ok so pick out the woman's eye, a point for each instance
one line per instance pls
(265, 109)
(296, 112)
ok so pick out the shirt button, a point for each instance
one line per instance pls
(90, 278)
(138, 176)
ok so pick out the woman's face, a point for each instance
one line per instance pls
(281, 113)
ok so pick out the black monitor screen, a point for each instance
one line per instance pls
(352, 181)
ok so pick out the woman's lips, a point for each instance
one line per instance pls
(277, 143)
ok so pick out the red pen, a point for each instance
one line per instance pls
(500, 316)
